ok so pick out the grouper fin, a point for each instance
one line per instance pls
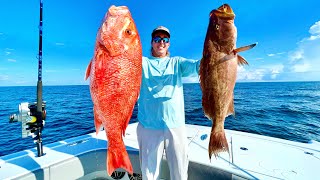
(97, 121)
(88, 70)
(244, 48)
(242, 61)
(218, 143)
(118, 158)
(231, 109)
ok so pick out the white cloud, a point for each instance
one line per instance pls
(303, 67)
(254, 75)
(12, 60)
(261, 74)
(306, 57)
(281, 53)
(59, 44)
(311, 38)
(296, 55)
(50, 71)
(22, 82)
(4, 77)
(275, 54)
(8, 51)
(275, 71)
(315, 29)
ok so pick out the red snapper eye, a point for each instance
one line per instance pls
(128, 32)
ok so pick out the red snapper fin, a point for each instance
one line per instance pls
(97, 121)
(118, 157)
(124, 126)
(88, 70)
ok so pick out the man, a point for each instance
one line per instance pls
(161, 109)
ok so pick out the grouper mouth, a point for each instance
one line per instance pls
(224, 12)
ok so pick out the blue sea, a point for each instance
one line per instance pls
(286, 110)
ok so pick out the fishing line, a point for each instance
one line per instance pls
(194, 136)
(230, 162)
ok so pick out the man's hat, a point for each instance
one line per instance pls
(161, 28)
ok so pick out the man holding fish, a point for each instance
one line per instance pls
(161, 104)
(161, 109)
(117, 74)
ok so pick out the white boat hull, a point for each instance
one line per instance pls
(251, 157)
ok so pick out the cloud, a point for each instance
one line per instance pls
(4, 77)
(12, 60)
(246, 75)
(275, 71)
(303, 67)
(301, 63)
(8, 51)
(261, 74)
(315, 29)
(59, 44)
(281, 53)
(296, 55)
(51, 71)
(275, 54)
(306, 57)
(22, 82)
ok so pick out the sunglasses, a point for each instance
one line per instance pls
(159, 39)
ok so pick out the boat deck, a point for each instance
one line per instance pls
(251, 157)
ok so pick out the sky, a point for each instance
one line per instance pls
(287, 33)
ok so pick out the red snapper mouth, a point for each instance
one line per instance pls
(116, 11)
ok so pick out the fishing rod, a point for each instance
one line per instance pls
(39, 89)
(32, 115)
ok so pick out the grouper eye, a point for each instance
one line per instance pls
(217, 26)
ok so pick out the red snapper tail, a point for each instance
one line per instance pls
(118, 158)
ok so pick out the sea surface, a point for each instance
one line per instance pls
(286, 110)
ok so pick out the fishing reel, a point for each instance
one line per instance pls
(31, 121)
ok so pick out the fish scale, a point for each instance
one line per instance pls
(218, 73)
(115, 77)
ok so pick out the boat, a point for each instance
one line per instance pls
(251, 156)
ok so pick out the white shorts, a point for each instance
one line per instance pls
(152, 144)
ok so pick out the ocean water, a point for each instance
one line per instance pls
(286, 110)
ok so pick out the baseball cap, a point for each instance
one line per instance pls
(161, 28)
